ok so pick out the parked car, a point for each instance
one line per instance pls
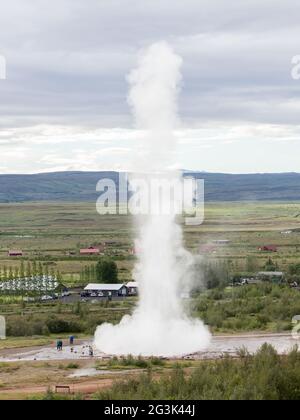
(29, 299)
(46, 298)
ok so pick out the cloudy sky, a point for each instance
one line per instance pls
(63, 104)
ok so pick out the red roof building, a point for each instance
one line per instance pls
(90, 251)
(15, 253)
(207, 249)
(268, 248)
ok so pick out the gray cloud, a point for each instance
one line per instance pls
(67, 60)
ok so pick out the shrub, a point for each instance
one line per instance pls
(59, 326)
(264, 376)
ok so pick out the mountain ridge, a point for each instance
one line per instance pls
(81, 186)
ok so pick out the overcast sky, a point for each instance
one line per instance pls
(63, 104)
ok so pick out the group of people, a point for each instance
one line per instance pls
(59, 346)
(59, 343)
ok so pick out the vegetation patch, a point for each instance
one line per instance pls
(131, 362)
(265, 376)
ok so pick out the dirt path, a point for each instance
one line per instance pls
(85, 388)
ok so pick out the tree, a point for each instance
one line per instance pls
(251, 264)
(40, 269)
(93, 273)
(294, 269)
(16, 273)
(270, 265)
(22, 270)
(34, 269)
(4, 273)
(29, 270)
(87, 274)
(107, 271)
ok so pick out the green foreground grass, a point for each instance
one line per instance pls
(263, 376)
(266, 376)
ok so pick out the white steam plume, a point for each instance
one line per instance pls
(158, 326)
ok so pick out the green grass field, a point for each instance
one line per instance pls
(50, 231)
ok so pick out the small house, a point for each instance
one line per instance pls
(272, 276)
(221, 242)
(90, 251)
(207, 249)
(133, 288)
(15, 253)
(268, 248)
(106, 290)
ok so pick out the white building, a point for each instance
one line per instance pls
(221, 241)
(133, 288)
(106, 290)
(274, 276)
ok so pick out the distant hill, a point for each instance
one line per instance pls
(56, 186)
(81, 186)
(252, 187)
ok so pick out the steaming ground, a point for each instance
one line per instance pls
(159, 325)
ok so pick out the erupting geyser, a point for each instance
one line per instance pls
(159, 325)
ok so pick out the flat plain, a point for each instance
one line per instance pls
(54, 231)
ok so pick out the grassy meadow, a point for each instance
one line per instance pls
(53, 234)
(49, 232)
